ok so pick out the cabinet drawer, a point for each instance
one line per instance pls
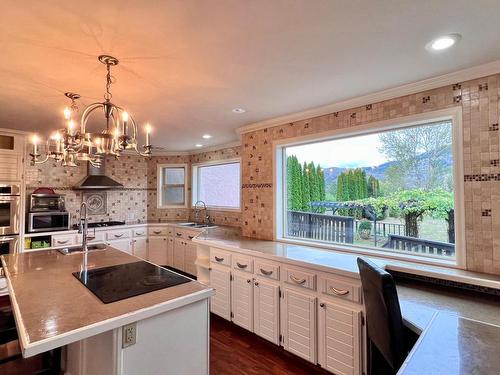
(242, 263)
(300, 278)
(340, 287)
(117, 234)
(220, 256)
(140, 232)
(267, 269)
(158, 231)
(99, 237)
(58, 241)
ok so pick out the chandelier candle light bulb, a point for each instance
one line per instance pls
(125, 120)
(67, 113)
(148, 133)
(35, 140)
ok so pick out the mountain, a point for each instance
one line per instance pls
(380, 171)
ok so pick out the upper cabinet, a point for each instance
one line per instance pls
(11, 156)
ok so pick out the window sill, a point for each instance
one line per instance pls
(227, 209)
(452, 263)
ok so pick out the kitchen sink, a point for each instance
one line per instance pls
(196, 225)
(79, 249)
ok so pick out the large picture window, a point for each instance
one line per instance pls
(217, 184)
(391, 191)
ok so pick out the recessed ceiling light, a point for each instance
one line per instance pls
(198, 145)
(239, 110)
(206, 136)
(444, 42)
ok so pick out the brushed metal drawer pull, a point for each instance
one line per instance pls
(218, 259)
(139, 233)
(267, 273)
(157, 231)
(241, 265)
(62, 241)
(119, 235)
(339, 292)
(190, 237)
(178, 234)
(296, 280)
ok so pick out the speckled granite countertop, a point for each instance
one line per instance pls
(52, 308)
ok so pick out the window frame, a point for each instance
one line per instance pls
(159, 176)
(195, 170)
(279, 176)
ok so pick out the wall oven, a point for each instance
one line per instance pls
(48, 221)
(9, 245)
(10, 209)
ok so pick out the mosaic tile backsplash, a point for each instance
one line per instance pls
(137, 201)
(480, 103)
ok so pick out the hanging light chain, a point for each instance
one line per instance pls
(109, 81)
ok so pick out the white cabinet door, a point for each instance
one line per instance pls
(170, 251)
(123, 245)
(242, 300)
(220, 280)
(157, 250)
(266, 310)
(298, 323)
(339, 337)
(179, 249)
(190, 257)
(140, 247)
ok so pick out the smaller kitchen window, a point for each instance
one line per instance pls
(218, 184)
(172, 185)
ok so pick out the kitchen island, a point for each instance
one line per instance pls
(163, 331)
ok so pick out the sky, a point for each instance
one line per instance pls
(352, 152)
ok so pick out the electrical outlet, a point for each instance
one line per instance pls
(129, 335)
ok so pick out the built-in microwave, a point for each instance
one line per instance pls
(46, 202)
(10, 209)
(48, 221)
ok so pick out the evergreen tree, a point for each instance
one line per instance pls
(313, 183)
(373, 187)
(306, 191)
(294, 184)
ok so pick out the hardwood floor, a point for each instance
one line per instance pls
(234, 350)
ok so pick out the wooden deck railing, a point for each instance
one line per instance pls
(419, 245)
(321, 227)
(383, 228)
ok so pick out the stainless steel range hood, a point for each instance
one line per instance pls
(96, 179)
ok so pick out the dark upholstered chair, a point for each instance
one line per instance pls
(387, 343)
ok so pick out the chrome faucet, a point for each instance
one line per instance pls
(206, 219)
(83, 226)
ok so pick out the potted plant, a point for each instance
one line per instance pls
(365, 229)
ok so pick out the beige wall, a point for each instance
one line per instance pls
(480, 103)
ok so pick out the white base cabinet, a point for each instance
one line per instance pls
(339, 338)
(157, 250)
(266, 296)
(298, 323)
(140, 247)
(314, 315)
(220, 280)
(242, 299)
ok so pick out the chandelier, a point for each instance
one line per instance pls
(74, 143)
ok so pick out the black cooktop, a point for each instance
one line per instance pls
(102, 224)
(114, 283)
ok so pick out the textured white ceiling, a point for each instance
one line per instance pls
(185, 64)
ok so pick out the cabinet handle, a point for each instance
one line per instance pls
(62, 242)
(157, 231)
(267, 273)
(190, 237)
(218, 259)
(119, 235)
(339, 292)
(249, 281)
(321, 305)
(241, 265)
(296, 280)
(256, 283)
(178, 234)
(139, 233)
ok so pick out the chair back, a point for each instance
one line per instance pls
(384, 323)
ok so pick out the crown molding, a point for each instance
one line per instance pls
(379, 96)
(215, 148)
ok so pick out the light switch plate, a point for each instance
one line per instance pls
(129, 333)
